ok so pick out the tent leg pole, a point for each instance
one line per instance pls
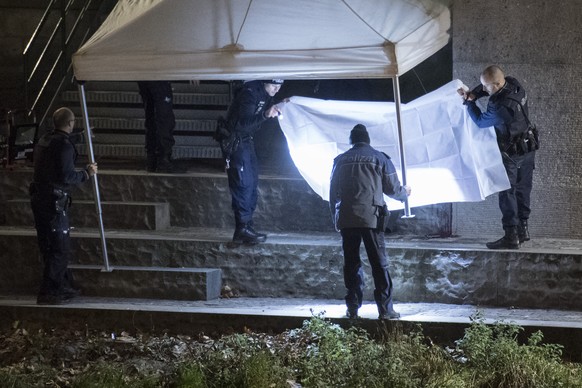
(91, 155)
(396, 87)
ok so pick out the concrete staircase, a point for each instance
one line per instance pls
(116, 117)
(302, 257)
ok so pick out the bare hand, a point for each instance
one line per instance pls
(92, 169)
(273, 111)
(466, 94)
(407, 189)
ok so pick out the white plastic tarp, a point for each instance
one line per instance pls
(448, 158)
(262, 39)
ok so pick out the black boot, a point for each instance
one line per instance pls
(165, 164)
(262, 237)
(522, 231)
(509, 241)
(151, 162)
(244, 235)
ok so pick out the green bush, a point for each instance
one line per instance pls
(191, 376)
(497, 359)
(110, 375)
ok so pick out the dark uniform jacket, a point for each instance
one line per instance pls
(54, 163)
(359, 178)
(504, 111)
(246, 114)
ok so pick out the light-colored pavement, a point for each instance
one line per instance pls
(305, 308)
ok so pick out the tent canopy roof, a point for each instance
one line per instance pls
(262, 39)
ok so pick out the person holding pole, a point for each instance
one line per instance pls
(54, 176)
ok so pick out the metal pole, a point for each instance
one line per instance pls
(396, 87)
(91, 155)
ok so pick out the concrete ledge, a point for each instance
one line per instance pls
(149, 282)
(116, 214)
(442, 323)
(310, 266)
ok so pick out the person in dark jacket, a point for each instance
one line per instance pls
(507, 112)
(157, 97)
(251, 107)
(360, 178)
(54, 176)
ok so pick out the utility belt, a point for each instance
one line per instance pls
(50, 194)
(522, 144)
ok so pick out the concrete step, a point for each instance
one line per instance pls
(543, 274)
(201, 198)
(139, 139)
(101, 124)
(134, 98)
(207, 87)
(116, 214)
(442, 323)
(137, 151)
(148, 282)
(136, 112)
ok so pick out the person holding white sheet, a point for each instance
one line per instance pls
(507, 112)
(251, 107)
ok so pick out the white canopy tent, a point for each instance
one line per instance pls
(261, 39)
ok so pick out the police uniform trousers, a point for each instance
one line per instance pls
(160, 121)
(243, 180)
(514, 202)
(354, 273)
(52, 229)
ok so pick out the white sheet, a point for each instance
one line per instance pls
(448, 158)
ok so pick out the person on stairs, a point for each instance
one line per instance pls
(54, 176)
(157, 97)
(360, 178)
(507, 112)
(251, 107)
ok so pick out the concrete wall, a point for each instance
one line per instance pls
(539, 43)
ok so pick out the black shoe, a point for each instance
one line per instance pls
(70, 292)
(352, 314)
(261, 237)
(244, 235)
(505, 242)
(165, 165)
(389, 315)
(46, 299)
(522, 231)
(151, 163)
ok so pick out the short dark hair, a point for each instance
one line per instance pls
(359, 134)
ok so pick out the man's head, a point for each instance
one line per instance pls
(64, 120)
(492, 79)
(359, 134)
(273, 86)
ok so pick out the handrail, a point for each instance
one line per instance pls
(39, 26)
(46, 76)
(44, 50)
